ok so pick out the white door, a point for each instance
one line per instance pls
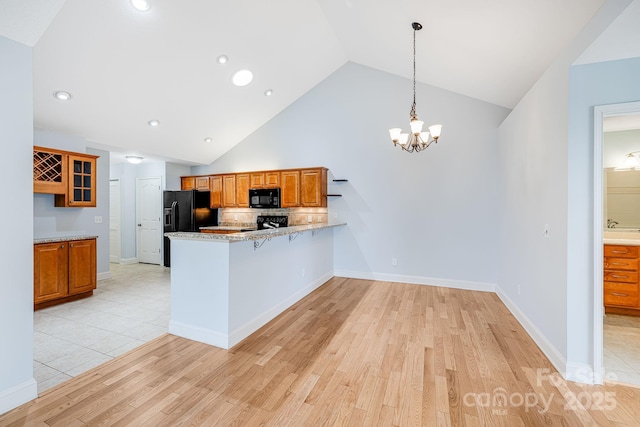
(148, 218)
(114, 221)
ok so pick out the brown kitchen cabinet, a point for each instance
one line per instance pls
(228, 191)
(242, 190)
(621, 279)
(299, 187)
(63, 271)
(70, 176)
(290, 188)
(215, 188)
(200, 183)
(313, 187)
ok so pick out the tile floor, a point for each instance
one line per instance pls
(622, 348)
(130, 308)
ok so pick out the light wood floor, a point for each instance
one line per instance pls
(352, 353)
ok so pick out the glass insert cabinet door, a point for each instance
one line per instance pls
(82, 184)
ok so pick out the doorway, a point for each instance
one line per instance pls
(148, 220)
(603, 113)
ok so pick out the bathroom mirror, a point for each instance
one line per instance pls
(621, 160)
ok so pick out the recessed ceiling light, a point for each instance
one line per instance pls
(268, 92)
(62, 95)
(242, 77)
(153, 123)
(134, 159)
(141, 5)
(222, 59)
(208, 140)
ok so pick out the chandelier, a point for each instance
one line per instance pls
(417, 140)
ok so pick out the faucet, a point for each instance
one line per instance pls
(611, 223)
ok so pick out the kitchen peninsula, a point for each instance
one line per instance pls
(224, 287)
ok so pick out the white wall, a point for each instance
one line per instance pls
(435, 212)
(173, 173)
(49, 220)
(16, 253)
(544, 280)
(617, 145)
(591, 85)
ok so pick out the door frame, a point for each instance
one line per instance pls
(599, 114)
(117, 200)
(137, 216)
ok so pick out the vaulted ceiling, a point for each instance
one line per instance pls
(124, 67)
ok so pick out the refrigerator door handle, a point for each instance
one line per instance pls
(174, 216)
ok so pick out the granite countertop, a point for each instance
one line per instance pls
(62, 238)
(251, 235)
(231, 227)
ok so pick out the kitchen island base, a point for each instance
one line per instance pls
(223, 291)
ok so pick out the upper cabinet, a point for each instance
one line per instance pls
(313, 187)
(290, 188)
(299, 187)
(70, 176)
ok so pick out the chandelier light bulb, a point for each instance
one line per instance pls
(435, 131)
(416, 126)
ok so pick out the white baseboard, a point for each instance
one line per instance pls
(127, 261)
(555, 357)
(17, 395)
(104, 275)
(196, 333)
(580, 373)
(418, 280)
(262, 319)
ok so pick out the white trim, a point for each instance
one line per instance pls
(104, 275)
(553, 354)
(599, 113)
(580, 373)
(262, 319)
(15, 396)
(128, 261)
(195, 333)
(418, 280)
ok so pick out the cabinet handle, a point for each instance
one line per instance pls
(618, 294)
(617, 276)
(618, 263)
(620, 252)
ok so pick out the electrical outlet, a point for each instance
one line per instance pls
(394, 262)
(335, 214)
(97, 219)
(235, 217)
(309, 218)
(319, 219)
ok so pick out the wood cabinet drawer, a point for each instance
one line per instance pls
(621, 264)
(621, 294)
(616, 251)
(621, 276)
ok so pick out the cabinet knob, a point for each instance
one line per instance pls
(618, 294)
(61, 246)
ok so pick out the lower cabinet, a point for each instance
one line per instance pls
(63, 271)
(621, 279)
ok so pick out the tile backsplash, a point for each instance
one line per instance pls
(246, 217)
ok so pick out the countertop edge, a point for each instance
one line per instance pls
(250, 235)
(624, 242)
(63, 239)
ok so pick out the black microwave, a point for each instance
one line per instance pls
(265, 198)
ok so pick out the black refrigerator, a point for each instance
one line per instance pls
(185, 211)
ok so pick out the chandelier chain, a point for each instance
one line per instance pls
(413, 106)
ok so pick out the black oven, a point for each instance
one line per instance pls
(264, 198)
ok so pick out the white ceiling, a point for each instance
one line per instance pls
(124, 67)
